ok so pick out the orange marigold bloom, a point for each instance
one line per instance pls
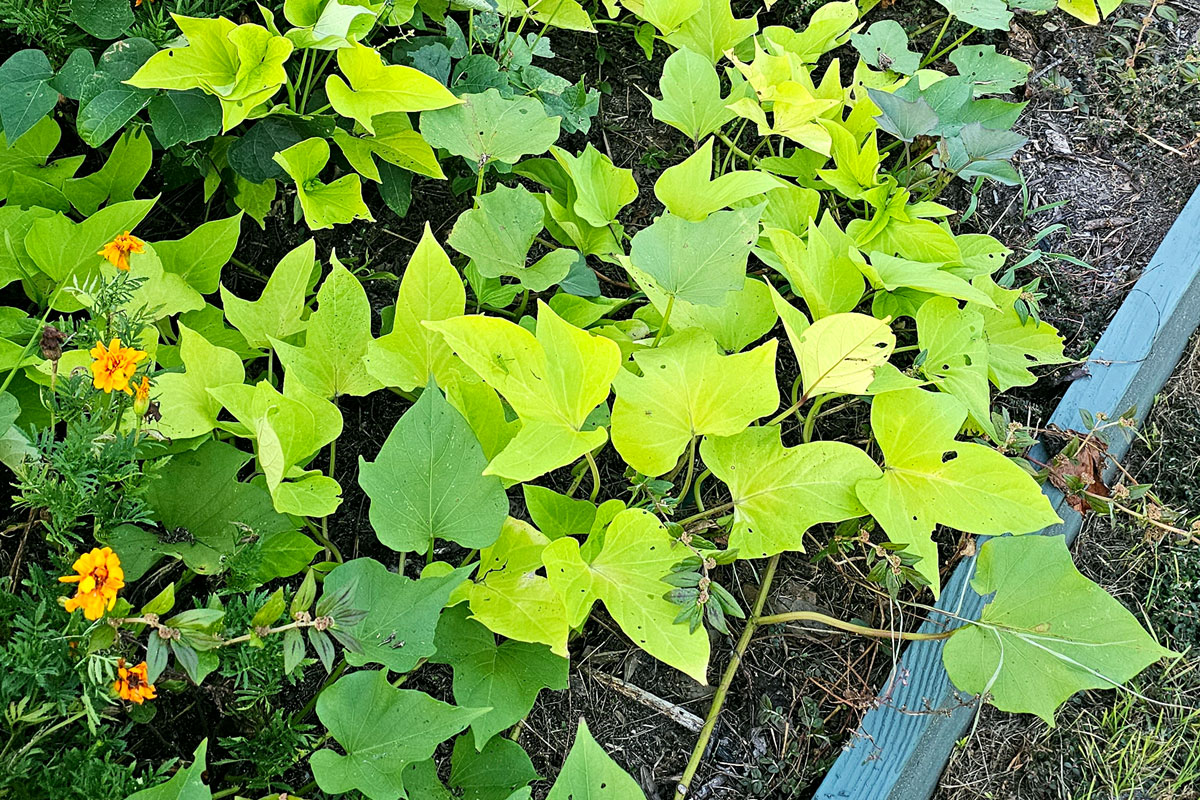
(117, 251)
(141, 396)
(132, 683)
(100, 577)
(114, 366)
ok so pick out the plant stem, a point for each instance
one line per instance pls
(949, 47)
(787, 412)
(937, 40)
(850, 627)
(242, 265)
(811, 418)
(666, 317)
(731, 669)
(749, 159)
(300, 715)
(595, 476)
(709, 513)
(479, 184)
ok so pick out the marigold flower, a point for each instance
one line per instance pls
(117, 251)
(100, 577)
(114, 366)
(141, 396)
(132, 683)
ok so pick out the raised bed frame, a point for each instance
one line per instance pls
(902, 746)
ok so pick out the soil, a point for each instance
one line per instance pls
(1121, 151)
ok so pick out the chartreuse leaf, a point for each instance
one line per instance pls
(601, 189)
(700, 262)
(289, 428)
(1048, 632)
(590, 774)
(506, 678)
(558, 515)
(956, 355)
(626, 574)
(1089, 11)
(668, 15)
(67, 251)
(485, 412)
(488, 127)
(331, 361)
(565, 14)
(427, 482)
(780, 492)
(840, 353)
(830, 282)
(185, 784)
(410, 353)
(931, 479)
(1015, 344)
(395, 142)
(26, 159)
(241, 64)
(691, 96)
(278, 312)
(744, 317)
(712, 30)
(552, 380)
(376, 88)
(199, 256)
(220, 517)
(497, 234)
(187, 408)
(324, 204)
(401, 614)
(688, 191)
(892, 273)
(688, 389)
(510, 597)
(327, 24)
(127, 165)
(381, 730)
(827, 28)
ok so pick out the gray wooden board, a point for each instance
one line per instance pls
(902, 746)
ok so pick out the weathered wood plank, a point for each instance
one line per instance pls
(901, 748)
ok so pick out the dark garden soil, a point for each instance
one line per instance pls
(1121, 149)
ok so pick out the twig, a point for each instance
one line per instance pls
(677, 714)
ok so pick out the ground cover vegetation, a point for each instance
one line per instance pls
(174, 443)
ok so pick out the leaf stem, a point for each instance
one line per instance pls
(749, 159)
(937, 40)
(949, 47)
(810, 419)
(731, 669)
(595, 476)
(850, 627)
(666, 318)
(708, 513)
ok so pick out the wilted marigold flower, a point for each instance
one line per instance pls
(100, 577)
(141, 396)
(117, 251)
(132, 683)
(114, 366)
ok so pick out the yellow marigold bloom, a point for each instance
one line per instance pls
(114, 366)
(100, 577)
(132, 683)
(117, 251)
(141, 396)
